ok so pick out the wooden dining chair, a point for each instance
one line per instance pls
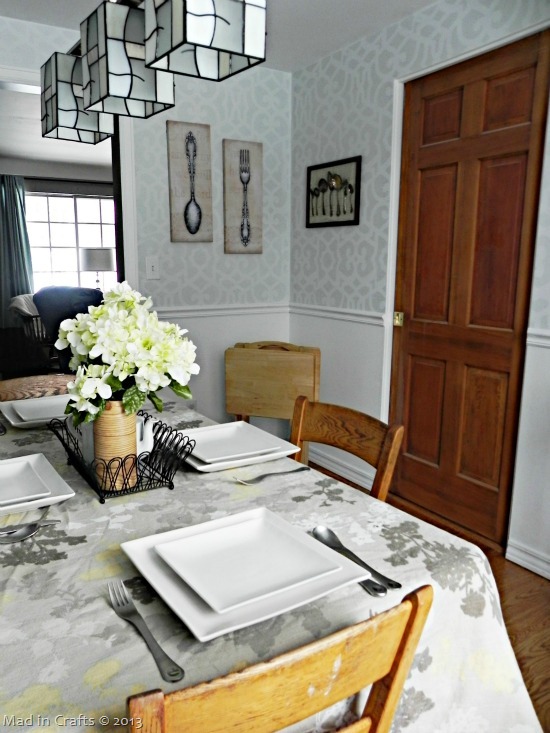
(272, 695)
(350, 430)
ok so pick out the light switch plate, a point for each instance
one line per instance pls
(152, 271)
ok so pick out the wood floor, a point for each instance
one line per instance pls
(525, 600)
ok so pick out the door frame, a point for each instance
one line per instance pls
(31, 78)
(395, 188)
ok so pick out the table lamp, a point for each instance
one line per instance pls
(100, 259)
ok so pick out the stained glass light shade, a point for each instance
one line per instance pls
(63, 113)
(115, 78)
(209, 39)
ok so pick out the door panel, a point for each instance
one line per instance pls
(472, 152)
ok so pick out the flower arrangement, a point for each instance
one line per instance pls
(121, 351)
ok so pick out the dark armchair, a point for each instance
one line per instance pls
(55, 303)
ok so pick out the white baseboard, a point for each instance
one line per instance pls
(528, 558)
(362, 477)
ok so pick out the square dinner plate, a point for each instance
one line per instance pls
(272, 447)
(59, 490)
(20, 482)
(202, 620)
(233, 441)
(254, 556)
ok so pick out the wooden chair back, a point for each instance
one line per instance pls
(263, 378)
(43, 385)
(355, 432)
(272, 695)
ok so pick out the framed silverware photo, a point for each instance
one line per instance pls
(333, 193)
(242, 197)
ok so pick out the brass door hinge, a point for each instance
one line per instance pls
(398, 318)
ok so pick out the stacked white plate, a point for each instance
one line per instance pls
(28, 482)
(34, 412)
(229, 445)
(237, 570)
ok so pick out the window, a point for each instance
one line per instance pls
(59, 226)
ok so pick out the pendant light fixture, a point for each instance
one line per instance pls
(63, 114)
(115, 78)
(208, 39)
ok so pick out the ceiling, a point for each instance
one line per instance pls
(299, 32)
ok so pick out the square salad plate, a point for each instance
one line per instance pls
(231, 445)
(254, 556)
(34, 412)
(233, 441)
(201, 619)
(20, 482)
(57, 489)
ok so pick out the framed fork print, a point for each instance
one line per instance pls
(333, 193)
(243, 197)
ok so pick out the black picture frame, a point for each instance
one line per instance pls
(333, 193)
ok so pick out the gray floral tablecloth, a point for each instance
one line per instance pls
(69, 663)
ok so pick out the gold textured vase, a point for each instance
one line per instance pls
(115, 437)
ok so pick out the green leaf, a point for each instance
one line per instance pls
(180, 390)
(132, 399)
(114, 382)
(156, 400)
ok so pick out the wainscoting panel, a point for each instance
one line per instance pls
(529, 538)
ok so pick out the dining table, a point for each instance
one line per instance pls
(70, 663)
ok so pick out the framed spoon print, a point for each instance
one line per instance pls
(333, 193)
(190, 182)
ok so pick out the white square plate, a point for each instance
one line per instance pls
(20, 482)
(233, 441)
(59, 490)
(255, 556)
(10, 410)
(274, 447)
(198, 616)
(41, 408)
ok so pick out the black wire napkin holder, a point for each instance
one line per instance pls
(155, 468)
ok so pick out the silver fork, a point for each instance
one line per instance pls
(124, 607)
(257, 479)
(244, 175)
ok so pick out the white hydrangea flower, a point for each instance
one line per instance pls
(122, 339)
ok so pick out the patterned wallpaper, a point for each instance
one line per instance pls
(340, 107)
(343, 105)
(253, 106)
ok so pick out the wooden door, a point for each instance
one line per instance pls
(472, 157)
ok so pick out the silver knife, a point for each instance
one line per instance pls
(8, 529)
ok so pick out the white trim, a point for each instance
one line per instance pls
(338, 314)
(478, 51)
(341, 468)
(129, 201)
(539, 338)
(395, 183)
(221, 311)
(15, 75)
(528, 558)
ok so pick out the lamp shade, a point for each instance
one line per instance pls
(63, 114)
(209, 39)
(97, 259)
(115, 78)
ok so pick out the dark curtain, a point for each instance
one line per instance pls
(15, 253)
